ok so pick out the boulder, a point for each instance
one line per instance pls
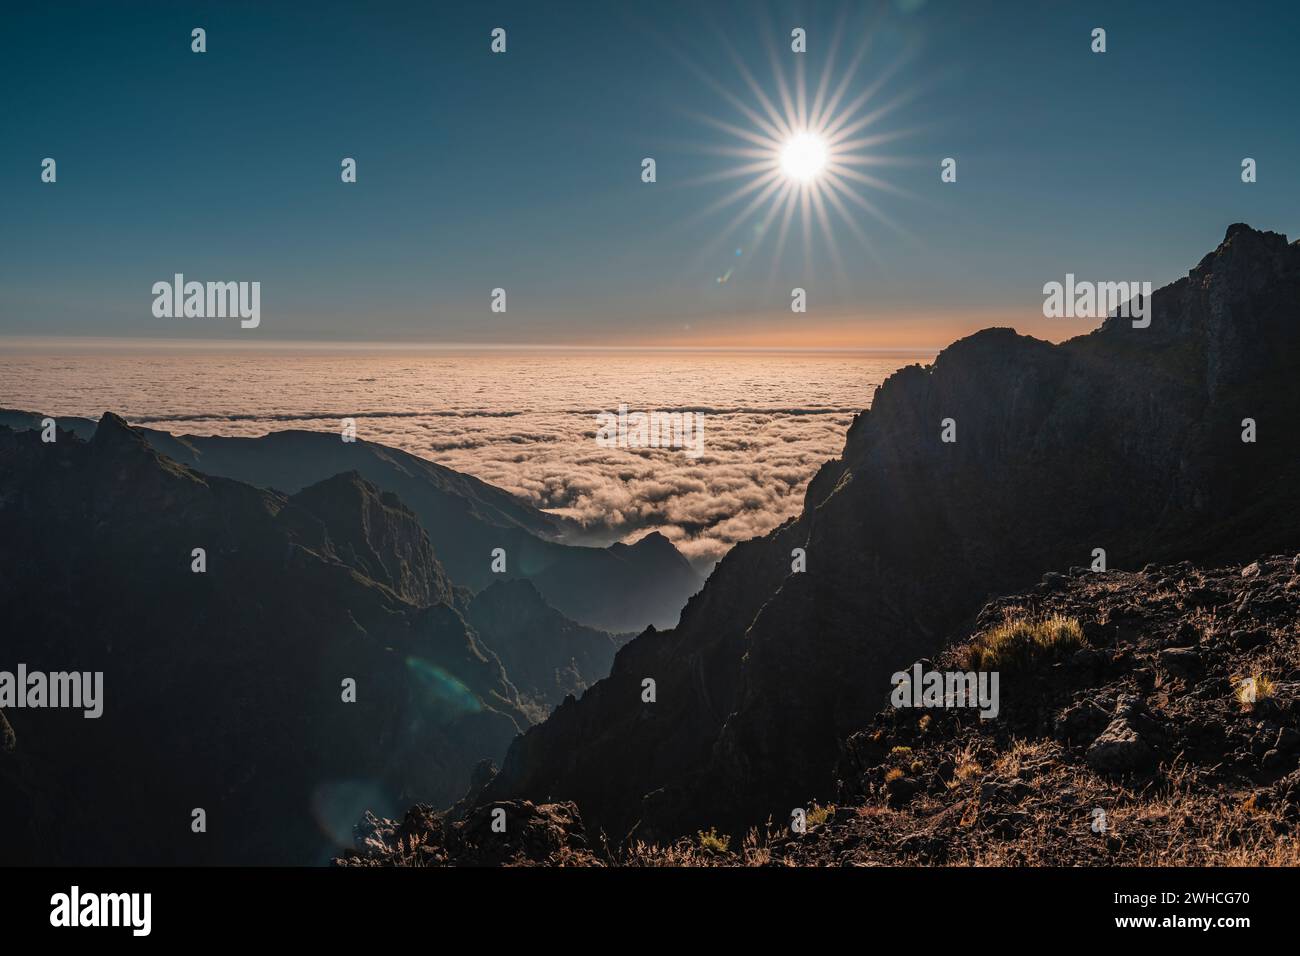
(1122, 747)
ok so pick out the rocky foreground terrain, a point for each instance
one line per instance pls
(1161, 726)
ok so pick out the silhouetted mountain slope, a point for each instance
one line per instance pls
(1126, 439)
(620, 588)
(547, 656)
(223, 690)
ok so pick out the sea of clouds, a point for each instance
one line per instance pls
(526, 422)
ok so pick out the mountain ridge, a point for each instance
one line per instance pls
(1116, 439)
(617, 588)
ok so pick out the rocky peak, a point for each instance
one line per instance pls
(374, 531)
(113, 429)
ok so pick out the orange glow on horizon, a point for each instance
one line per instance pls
(920, 334)
(925, 333)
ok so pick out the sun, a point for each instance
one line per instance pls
(808, 154)
(803, 156)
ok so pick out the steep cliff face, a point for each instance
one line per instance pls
(349, 519)
(223, 690)
(1127, 439)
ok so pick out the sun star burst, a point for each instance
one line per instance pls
(804, 157)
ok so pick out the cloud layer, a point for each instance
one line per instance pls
(525, 422)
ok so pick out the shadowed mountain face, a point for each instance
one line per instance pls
(550, 657)
(1127, 439)
(620, 588)
(223, 690)
(346, 518)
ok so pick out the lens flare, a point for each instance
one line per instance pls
(445, 696)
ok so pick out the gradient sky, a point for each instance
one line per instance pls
(522, 170)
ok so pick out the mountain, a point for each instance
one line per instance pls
(348, 519)
(1133, 738)
(225, 690)
(549, 656)
(1128, 440)
(619, 588)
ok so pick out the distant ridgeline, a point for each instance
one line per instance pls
(621, 588)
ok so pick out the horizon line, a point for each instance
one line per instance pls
(209, 345)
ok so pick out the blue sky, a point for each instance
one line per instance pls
(522, 170)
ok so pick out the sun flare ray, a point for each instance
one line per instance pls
(807, 153)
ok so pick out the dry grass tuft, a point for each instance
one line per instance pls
(1024, 643)
(713, 840)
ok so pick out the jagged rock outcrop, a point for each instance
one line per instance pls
(347, 518)
(1126, 439)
